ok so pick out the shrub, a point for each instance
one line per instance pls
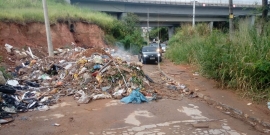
(242, 63)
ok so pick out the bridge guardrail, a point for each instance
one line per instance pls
(236, 3)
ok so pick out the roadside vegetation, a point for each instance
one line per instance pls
(127, 32)
(27, 11)
(161, 32)
(242, 63)
(24, 11)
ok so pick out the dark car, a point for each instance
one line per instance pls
(163, 47)
(150, 54)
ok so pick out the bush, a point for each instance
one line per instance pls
(242, 63)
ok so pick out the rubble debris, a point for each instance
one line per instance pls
(86, 74)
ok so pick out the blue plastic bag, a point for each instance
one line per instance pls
(135, 97)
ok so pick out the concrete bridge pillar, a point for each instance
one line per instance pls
(122, 15)
(170, 31)
(252, 20)
(211, 26)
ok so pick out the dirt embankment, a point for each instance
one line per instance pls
(34, 35)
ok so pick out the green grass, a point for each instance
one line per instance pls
(242, 63)
(24, 11)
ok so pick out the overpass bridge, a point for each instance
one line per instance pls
(171, 13)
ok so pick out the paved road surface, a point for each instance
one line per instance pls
(110, 117)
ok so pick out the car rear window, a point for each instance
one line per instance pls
(149, 49)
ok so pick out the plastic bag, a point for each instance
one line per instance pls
(119, 92)
(135, 97)
(97, 59)
(45, 77)
(13, 82)
(8, 47)
(84, 99)
(7, 89)
(101, 96)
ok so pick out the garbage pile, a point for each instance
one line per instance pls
(85, 74)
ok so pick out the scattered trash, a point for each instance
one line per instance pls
(86, 74)
(8, 48)
(268, 105)
(43, 108)
(9, 109)
(101, 96)
(13, 82)
(249, 103)
(196, 74)
(4, 119)
(84, 99)
(56, 124)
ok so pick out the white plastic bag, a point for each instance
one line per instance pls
(13, 82)
(8, 47)
(98, 59)
(84, 99)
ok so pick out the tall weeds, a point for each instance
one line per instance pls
(242, 63)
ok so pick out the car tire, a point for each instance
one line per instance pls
(143, 61)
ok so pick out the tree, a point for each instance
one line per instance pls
(161, 33)
(128, 32)
(264, 10)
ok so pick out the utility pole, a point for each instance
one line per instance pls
(193, 20)
(48, 31)
(147, 26)
(231, 18)
(265, 10)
